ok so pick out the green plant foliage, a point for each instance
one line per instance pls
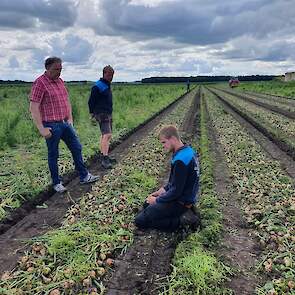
(75, 257)
(195, 269)
(23, 153)
(274, 87)
(267, 196)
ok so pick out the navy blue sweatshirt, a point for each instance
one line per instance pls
(101, 98)
(183, 182)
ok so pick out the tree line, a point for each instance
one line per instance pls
(206, 79)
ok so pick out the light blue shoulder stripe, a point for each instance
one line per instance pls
(101, 86)
(184, 155)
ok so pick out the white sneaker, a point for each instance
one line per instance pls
(59, 188)
(89, 179)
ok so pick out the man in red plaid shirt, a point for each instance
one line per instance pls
(52, 113)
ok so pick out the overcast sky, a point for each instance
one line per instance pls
(143, 38)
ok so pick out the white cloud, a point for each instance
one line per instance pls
(142, 38)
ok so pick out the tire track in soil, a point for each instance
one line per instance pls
(272, 108)
(38, 221)
(144, 268)
(271, 148)
(237, 248)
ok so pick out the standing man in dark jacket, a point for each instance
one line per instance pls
(101, 108)
(188, 84)
(171, 205)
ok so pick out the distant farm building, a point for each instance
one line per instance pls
(289, 76)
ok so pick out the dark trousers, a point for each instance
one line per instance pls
(66, 132)
(162, 216)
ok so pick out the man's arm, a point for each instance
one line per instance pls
(70, 118)
(151, 199)
(36, 115)
(92, 99)
(177, 184)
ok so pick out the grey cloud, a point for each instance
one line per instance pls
(38, 14)
(70, 48)
(160, 44)
(266, 50)
(194, 21)
(13, 62)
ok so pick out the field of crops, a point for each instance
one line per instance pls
(270, 87)
(250, 200)
(267, 193)
(287, 105)
(23, 153)
(77, 255)
(281, 127)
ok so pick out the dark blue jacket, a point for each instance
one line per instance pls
(101, 98)
(183, 182)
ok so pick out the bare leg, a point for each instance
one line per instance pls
(105, 143)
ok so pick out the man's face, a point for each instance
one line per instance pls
(54, 70)
(167, 143)
(108, 75)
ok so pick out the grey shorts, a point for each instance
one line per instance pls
(105, 122)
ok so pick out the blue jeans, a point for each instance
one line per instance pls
(162, 216)
(66, 132)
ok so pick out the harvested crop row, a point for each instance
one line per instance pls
(74, 258)
(275, 88)
(24, 171)
(195, 268)
(268, 199)
(280, 127)
(284, 105)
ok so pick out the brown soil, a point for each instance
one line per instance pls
(144, 268)
(31, 221)
(237, 248)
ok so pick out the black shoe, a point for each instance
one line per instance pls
(100, 156)
(112, 160)
(190, 219)
(106, 163)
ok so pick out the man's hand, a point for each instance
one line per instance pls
(152, 195)
(151, 200)
(158, 192)
(45, 132)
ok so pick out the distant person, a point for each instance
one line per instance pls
(171, 206)
(101, 108)
(188, 85)
(52, 114)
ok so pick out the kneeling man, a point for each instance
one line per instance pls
(171, 206)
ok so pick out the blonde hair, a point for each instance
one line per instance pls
(169, 131)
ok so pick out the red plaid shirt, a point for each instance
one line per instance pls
(53, 98)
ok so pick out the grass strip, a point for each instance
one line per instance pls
(196, 270)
